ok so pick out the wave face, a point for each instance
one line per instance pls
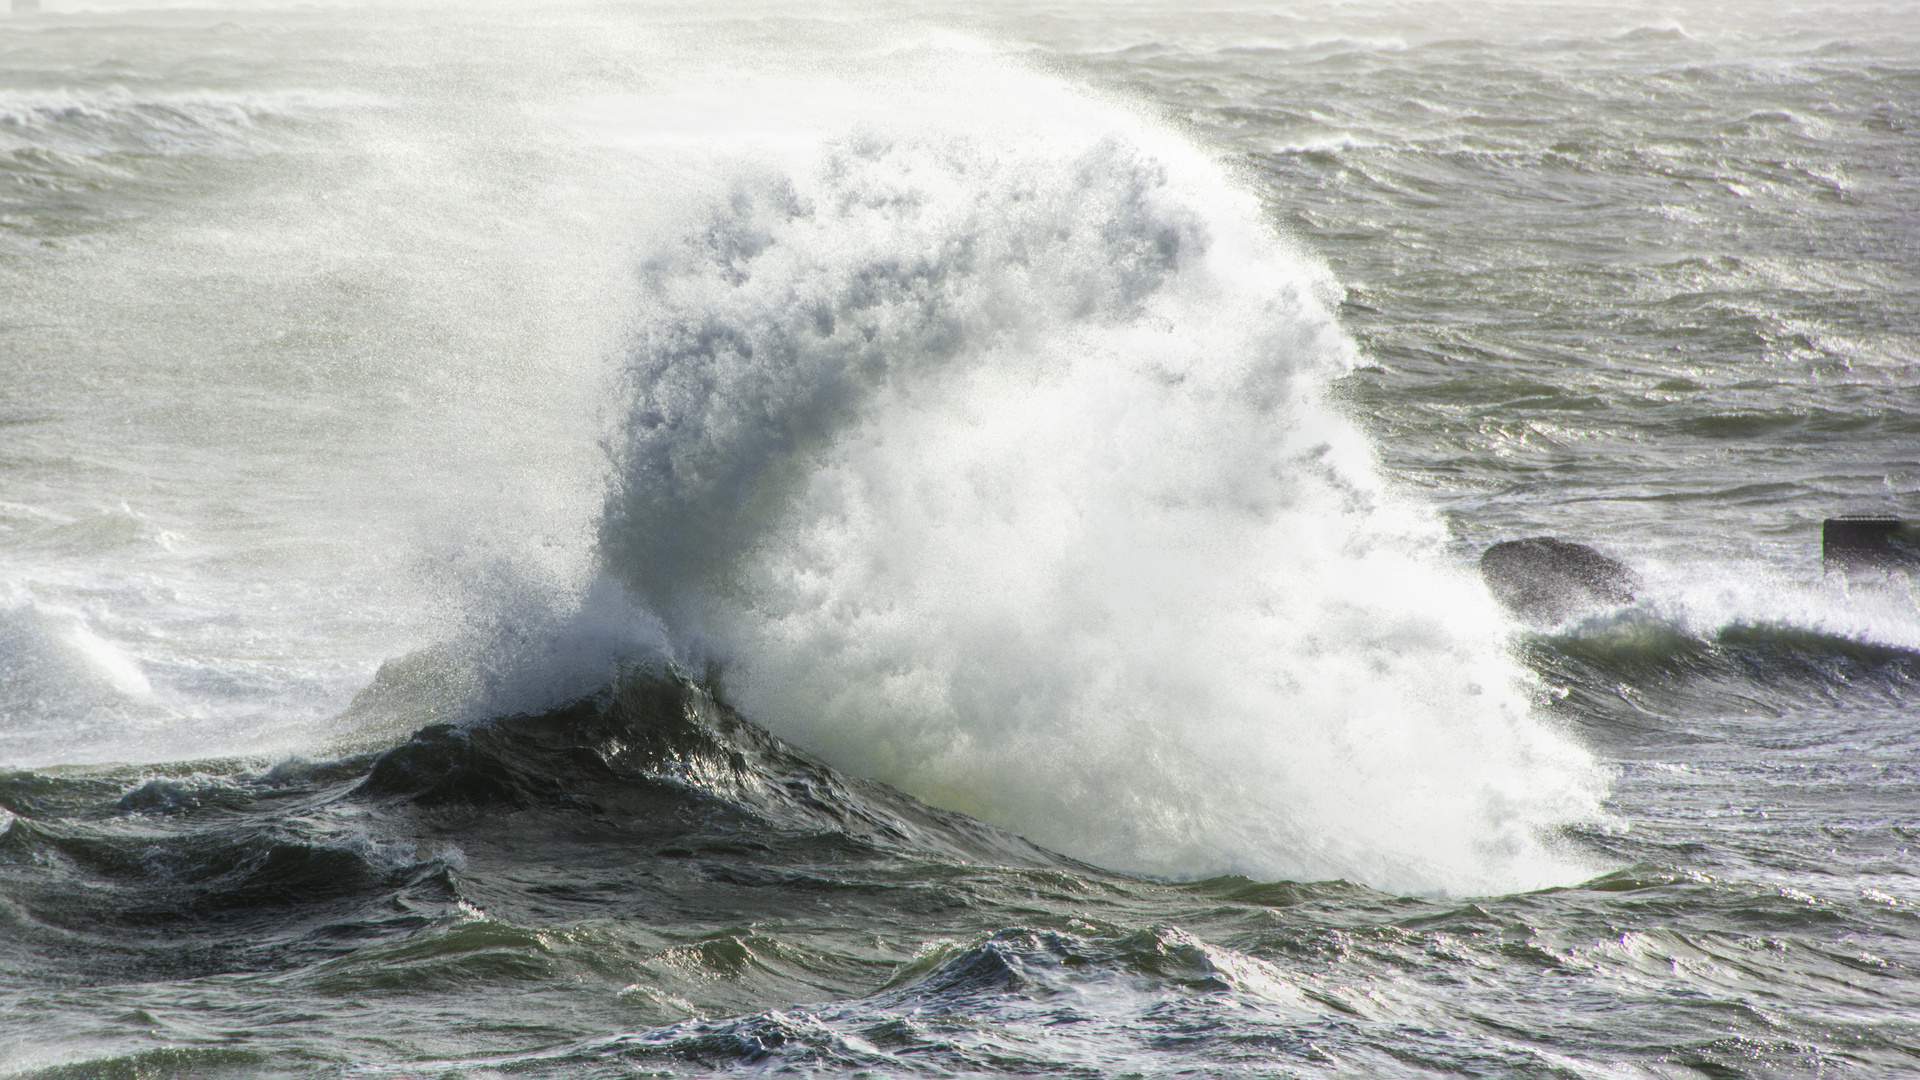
(369, 873)
(987, 461)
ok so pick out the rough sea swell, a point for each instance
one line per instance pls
(612, 542)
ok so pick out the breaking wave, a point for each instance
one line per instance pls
(987, 460)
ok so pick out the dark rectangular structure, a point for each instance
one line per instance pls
(1862, 541)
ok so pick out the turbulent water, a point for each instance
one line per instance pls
(597, 541)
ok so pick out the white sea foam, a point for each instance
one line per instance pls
(986, 457)
(1879, 607)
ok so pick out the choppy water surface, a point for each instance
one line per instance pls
(598, 541)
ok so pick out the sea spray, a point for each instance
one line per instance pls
(986, 459)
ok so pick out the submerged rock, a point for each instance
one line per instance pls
(1547, 580)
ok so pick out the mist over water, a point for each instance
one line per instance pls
(422, 429)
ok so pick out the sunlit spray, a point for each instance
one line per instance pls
(986, 458)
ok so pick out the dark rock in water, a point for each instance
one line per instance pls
(1858, 542)
(1547, 580)
(648, 804)
(659, 754)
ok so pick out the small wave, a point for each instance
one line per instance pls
(117, 120)
(1754, 665)
(55, 666)
(998, 977)
(99, 533)
(159, 1061)
(1668, 32)
(66, 152)
(475, 949)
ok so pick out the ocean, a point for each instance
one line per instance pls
(927, 540)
